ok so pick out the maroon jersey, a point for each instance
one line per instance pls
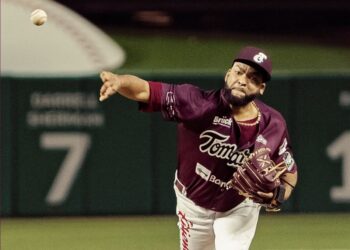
(211, 145)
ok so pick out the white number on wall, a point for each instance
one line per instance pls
(340, 148)
(77, 145)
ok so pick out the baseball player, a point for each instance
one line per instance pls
(217, 131)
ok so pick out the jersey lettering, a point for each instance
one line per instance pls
(214, 145)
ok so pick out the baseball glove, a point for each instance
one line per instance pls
(259, 174)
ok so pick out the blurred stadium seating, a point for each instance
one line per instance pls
(256, 16)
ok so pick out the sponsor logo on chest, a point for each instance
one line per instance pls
(223, 121)
(206, 174)
(215, 145)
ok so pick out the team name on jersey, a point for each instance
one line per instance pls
(214, 145)
(227, 122)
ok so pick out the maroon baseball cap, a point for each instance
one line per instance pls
(256, 58)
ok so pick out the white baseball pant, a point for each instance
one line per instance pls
(204, 229)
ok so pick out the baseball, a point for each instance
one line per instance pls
(38, 17)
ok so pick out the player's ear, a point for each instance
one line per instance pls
(227, 74)
(262, 88)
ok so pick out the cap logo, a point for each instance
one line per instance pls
(259, 58)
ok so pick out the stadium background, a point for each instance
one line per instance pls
(128, 168)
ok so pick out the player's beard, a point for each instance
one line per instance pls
(238, 101)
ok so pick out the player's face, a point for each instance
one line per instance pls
(243, 84)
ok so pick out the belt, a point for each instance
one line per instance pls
(180, 186)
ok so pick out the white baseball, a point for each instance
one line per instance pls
(38, 17)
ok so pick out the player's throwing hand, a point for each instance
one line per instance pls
(129, 86)
(110, 86)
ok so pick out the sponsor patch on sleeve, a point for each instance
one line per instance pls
(288, 160)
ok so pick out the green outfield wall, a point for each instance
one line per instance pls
(65, 153)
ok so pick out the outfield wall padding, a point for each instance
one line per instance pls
(65, 153)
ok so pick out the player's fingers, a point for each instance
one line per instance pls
(106, 85)
(105, 94)
(103, 89)
(265, 195)
(110, 85)
(101, 98)
(105, 76)
(110, 91)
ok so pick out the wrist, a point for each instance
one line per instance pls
(279, 195)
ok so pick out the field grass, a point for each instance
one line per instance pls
(274, 232)
(154, 51)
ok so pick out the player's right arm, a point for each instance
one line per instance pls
(177, 102)
(129, 86)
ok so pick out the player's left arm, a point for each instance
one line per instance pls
(289, 180)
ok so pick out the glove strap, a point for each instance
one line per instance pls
(279, 194)
(277, 200)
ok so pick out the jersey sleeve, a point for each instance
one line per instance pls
(282, 149)
(275, 136)
(284, 153)
(181, 103)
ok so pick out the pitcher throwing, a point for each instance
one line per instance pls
(234, 153)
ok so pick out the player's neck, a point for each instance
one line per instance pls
(244, 113)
